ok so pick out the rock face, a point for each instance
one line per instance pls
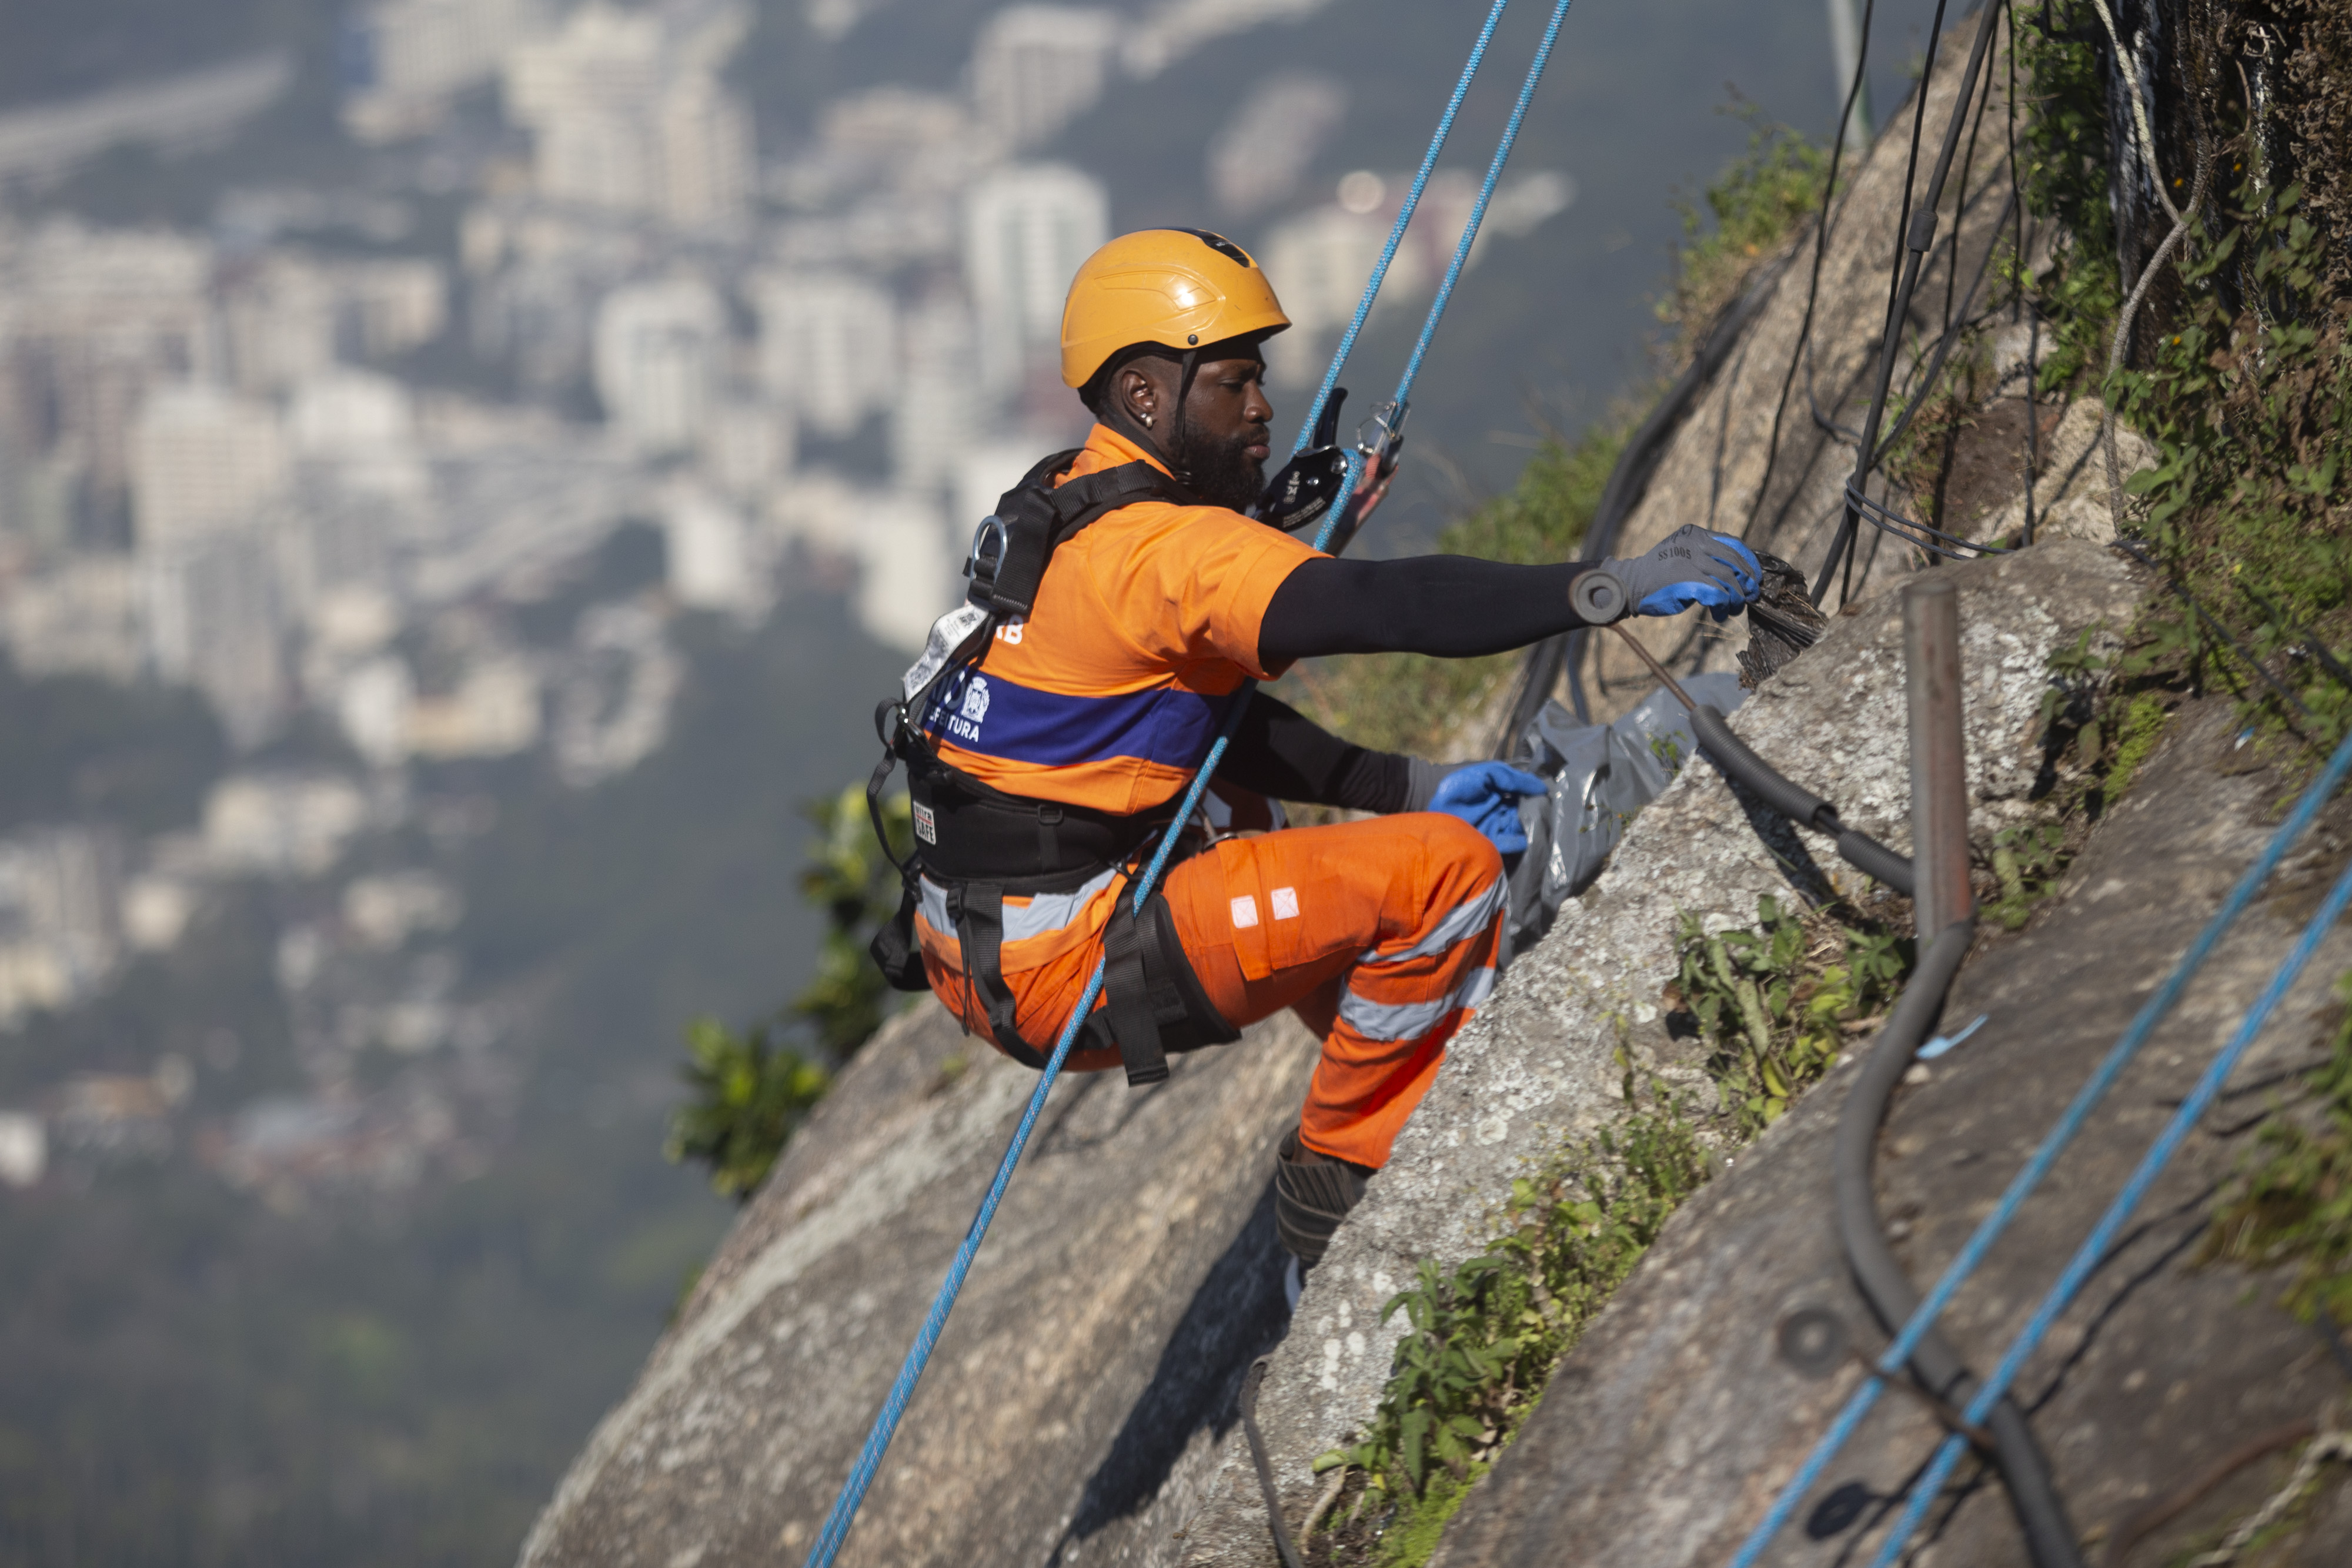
(1080, 1407)
(1755, 456)
(1667, 1432)
(1539, 1063)
(1082, 1383)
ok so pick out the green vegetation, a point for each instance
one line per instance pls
(2139, 728)
(2241, 378)
(748, 1096)
(1757, 201)
(2291, 1204)
(749, 1091)
(857, 887)
(1484, 1339)
(2027, 862)
(1773, 1002)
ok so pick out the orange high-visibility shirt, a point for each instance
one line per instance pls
(1146, 623)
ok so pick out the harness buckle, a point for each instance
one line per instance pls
(981, 565)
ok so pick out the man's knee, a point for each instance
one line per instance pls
(1455, 841)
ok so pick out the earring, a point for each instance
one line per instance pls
(1146, 421)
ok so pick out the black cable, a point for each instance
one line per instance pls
(1628, 482)
(1880, 1275)
(1803, 353)
(1918, 237)
(1952, 334)
(1283, 1544)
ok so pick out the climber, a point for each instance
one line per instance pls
(1043, 766)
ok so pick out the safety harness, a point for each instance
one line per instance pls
(982, 845)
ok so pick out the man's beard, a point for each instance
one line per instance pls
(1225, 475)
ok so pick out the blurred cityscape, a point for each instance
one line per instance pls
(315, 458)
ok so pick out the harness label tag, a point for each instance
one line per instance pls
(948, 635)
(926, 825)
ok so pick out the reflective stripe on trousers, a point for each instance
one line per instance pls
(1381, 935)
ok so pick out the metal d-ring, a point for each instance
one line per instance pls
(971, 567)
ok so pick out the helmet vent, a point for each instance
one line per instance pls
(1219, 243)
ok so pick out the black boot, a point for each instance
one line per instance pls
(1312, 1193)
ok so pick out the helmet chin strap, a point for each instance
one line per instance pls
(1178, 456)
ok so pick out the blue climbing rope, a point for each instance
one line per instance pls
(1898, 1354)
(902, 1388)
(1396, 231)
(1395, 414)
(844, 1512)
(2094, 1250)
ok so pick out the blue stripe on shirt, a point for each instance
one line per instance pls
(1001, 719)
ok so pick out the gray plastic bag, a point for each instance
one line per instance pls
(1600, 775)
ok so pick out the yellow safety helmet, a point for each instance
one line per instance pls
(1181, 288)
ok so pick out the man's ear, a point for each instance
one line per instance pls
(1139, 396)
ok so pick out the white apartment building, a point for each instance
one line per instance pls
(88, 321)
(84, 617)
(1034, 68)
(205, 461)
(1026, 229)
(59, 888)
(628, 114)
(293, 316)
(828, 345)
(214, 622)
(281, 824)
(404, 60)
(936, 416)
(660, 346)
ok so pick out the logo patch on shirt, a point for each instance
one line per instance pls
(926, 825)
(1244, 912)
(1286, 903)
(964, 723)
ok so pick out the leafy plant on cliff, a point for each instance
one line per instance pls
(1759, 200)
(2241, 378)
(748, 1094)
(1483, 1338)
(748, 1090)
(2291, 1206)
(1776, 1001)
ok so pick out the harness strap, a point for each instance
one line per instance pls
(978, 911)
(1154, 1002)
(1126, 1000)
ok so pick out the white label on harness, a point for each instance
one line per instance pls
(948, 635)
(1245, 912)
(927, 826)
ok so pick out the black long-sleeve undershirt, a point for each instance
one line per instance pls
(1281, 753)
(1448, 606)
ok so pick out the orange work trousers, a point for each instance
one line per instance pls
(1381, 935)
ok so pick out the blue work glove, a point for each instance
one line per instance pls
(1483, 794)
(1692, 566)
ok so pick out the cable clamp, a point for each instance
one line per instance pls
(1922, 231)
